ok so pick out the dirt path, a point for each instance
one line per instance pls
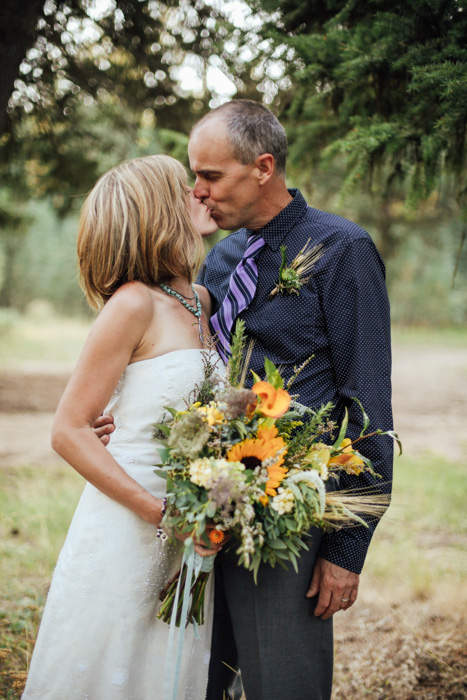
(429, 390)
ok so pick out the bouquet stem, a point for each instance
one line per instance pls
(197, 593)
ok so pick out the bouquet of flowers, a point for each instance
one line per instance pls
(252, 463)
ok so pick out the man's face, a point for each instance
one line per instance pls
(228, 188)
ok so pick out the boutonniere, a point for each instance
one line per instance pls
(292, 277)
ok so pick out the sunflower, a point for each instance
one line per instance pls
(253, 452)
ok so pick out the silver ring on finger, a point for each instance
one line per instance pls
(345, 600)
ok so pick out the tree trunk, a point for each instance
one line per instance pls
(17, 24)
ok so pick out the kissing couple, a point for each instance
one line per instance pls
(139, 249)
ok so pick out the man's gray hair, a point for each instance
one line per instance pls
(252, 130)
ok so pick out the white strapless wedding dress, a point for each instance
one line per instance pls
(99, 638)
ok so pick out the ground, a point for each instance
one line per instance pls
(388, 646)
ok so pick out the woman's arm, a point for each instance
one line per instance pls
(114, 337)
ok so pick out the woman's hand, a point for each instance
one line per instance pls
(200, 546)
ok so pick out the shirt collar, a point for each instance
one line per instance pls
(276, 230)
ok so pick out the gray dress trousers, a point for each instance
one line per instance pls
(269, 631)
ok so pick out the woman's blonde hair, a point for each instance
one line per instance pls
(135, 225)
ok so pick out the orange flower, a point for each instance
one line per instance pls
(276, 475)
(274, 402)
(269, 434)
(347, 459)
(216, 536)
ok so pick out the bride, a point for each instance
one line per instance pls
(139, 235)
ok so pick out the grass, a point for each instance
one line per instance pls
(422, 538)
(40, 336)
(36, 506)
(446, 337)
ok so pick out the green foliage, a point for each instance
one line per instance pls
(237, 347)
(90, 82)
(382, 83)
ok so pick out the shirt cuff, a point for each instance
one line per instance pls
(346, 549)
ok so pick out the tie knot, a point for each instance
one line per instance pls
(254, 244)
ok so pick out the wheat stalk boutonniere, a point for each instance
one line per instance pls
(292, 277)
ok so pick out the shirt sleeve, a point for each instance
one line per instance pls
(356, 310)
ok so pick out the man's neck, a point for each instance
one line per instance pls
(274, 201)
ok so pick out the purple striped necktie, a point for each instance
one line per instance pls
(242, 288)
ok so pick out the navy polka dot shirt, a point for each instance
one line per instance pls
(341, 317)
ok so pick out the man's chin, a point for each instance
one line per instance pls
(224, 224)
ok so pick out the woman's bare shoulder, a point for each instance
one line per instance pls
(134, 298)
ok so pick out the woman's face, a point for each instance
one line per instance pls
(201, 215)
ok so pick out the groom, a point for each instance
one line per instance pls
(279, 632)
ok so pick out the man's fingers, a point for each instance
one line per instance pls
(314, 585)
(103, 420)
(346, 600)
(104, 430)
(323, 603)
(103, 427)
(337, 588)
(352, 598)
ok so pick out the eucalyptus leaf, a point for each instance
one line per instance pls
(211, 509)
(164, 453)
(396, 438)
(343, 430)
(163, 427)
(293, 559)
(161, 473)
(189, 546)
(366, 420)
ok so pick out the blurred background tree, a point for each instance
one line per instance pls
(86, 85)
(373, 97)
(382, 85)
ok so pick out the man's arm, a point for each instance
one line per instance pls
(356, 310)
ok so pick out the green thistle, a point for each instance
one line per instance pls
(188, 436)
(292, 277)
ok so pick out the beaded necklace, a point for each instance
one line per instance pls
(182, 299)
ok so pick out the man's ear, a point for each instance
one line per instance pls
(266, 166)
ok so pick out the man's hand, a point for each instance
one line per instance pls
(103, 426)
(337, 588)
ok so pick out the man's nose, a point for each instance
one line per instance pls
(201, 190)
